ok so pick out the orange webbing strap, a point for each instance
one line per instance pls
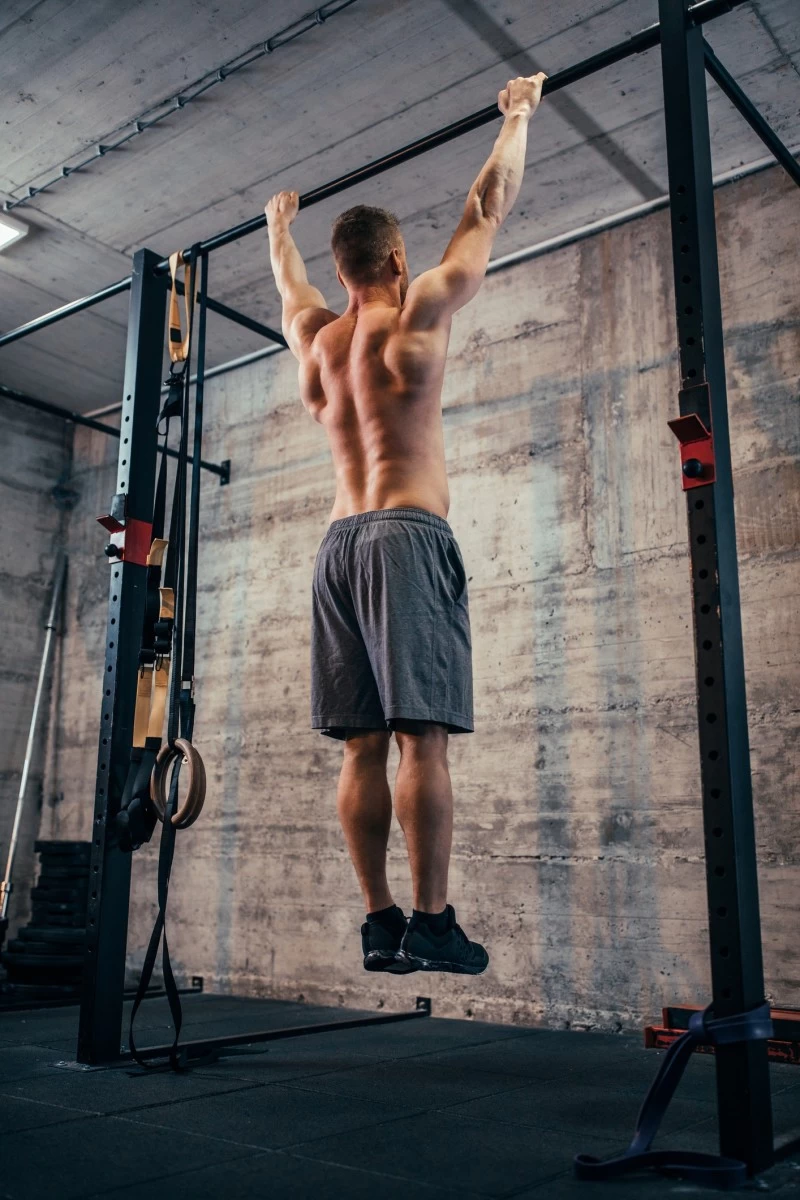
(153, 685)
(141, 715)
(178, 342)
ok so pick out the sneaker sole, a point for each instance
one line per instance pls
(380, 960)
(434, 964)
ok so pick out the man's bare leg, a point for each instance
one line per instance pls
(423, 801)
(364, 802)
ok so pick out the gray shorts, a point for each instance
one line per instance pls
(390, 635)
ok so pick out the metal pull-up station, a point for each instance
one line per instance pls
(725, 777)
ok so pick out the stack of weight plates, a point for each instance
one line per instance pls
(45, 960)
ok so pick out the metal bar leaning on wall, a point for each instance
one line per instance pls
(646, 39)
(6, 885)
(741, 101)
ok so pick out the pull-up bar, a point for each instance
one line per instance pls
(646, 39)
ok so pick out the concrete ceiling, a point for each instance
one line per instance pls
(373, 77)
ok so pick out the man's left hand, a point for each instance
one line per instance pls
(283, 207)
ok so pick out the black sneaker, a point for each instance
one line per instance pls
(381, 946)
(450, 951)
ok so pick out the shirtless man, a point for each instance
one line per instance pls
(391, 649)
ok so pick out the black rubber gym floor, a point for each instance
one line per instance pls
(430, 1108)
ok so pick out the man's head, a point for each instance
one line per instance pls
(368, 248)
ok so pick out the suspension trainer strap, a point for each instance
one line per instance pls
(136, 818)
(711, 1170)
(180, 343)
(181, 584)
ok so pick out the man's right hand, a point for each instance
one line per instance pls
(521, 96)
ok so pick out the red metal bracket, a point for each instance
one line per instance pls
(131, 540)
(697, 451)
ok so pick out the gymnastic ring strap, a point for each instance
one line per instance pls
(190, 809)
(709, 1169)
(180, 342)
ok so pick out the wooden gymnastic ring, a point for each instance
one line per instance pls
(190, 810)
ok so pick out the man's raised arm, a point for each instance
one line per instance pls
(304, 309)
(438, 293)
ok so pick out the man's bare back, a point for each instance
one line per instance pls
(373, 376)
(376, 388)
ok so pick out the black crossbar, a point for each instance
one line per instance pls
(66, 310)
(646, 39)
(233, 314)
(741, 101)
(209, 1046)
(223, 470)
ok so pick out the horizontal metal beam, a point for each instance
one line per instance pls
(223, 470)
(238, 318)
(646, 39)
(741, 101)
(66, 310)
(232, 314)
(75, 306)
(698, 14)
(209, 1046)
(577, 234)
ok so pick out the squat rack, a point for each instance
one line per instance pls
(743, 1094)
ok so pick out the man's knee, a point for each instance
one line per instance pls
(421, 738)
(367, 744)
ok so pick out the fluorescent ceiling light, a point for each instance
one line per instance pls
(10, 231)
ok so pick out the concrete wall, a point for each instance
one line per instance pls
(578, 852)
(35, 458)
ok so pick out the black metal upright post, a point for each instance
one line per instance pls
(745, 1118)
(100, 1029)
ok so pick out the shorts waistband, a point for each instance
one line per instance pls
(391, 514)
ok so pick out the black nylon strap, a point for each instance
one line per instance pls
(136, 818)
(166, 854)
(181, 576)
(712, 1170)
